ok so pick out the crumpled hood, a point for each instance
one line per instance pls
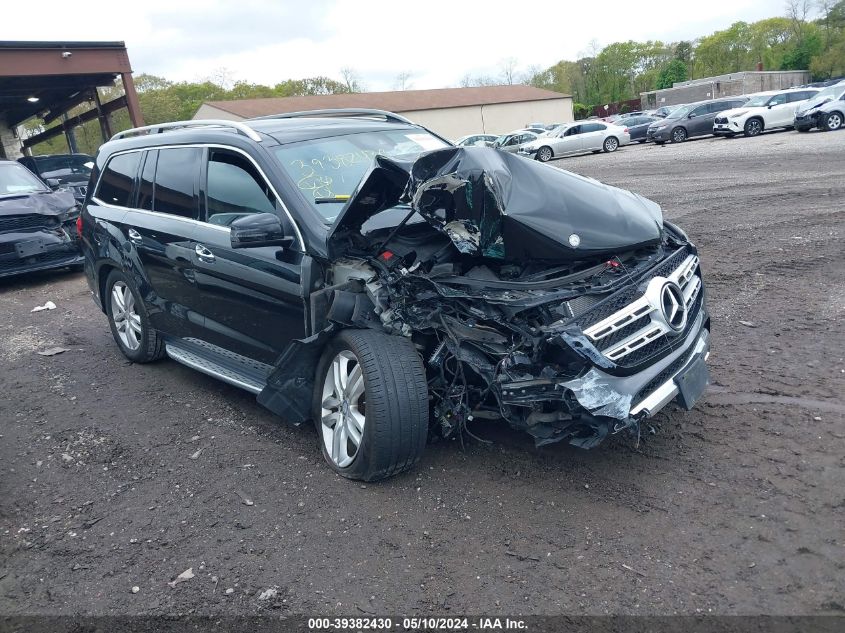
(496, 204)
(52, 203)
(812, 103)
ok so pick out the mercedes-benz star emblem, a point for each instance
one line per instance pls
(673, 306)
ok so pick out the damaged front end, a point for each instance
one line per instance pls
(564, 306)
(38, 232)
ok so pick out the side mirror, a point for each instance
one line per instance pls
(692, 115)
(53, 182)
(260, 229)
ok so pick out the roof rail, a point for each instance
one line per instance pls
(339, 112)
(175, 125)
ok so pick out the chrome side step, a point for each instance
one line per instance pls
(220, 363)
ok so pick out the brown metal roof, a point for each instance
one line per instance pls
(59, 75)
(401, 101)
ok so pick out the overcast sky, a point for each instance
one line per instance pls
(437, 42)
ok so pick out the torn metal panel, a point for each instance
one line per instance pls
(598, 397)
(290, 386)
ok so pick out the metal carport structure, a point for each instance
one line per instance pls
(48, 79)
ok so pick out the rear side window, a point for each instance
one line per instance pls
(118, 179)
(145, 186)
(177, 182)
(800, 96)
(235, 189)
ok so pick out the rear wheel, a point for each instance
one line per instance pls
(129, 321)
(611, 144)
(832, 122)
(371, 404)
(544, 154)
(679, 135)
(753, 127)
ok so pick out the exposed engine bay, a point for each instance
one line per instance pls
(532, 294)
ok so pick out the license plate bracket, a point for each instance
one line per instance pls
(28, 248)
(692, 382)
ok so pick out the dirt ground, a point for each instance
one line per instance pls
(117, 475)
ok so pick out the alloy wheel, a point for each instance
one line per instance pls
(753, 127)
(834, 121)
(679, 135)
(126, 319)
(343, 412)
(545, 154)
(611, 144)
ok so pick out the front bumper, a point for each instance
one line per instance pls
(29, 251)
(806, 121)
(643, 394)
(659, 136)
(601, 402)
(729, 128)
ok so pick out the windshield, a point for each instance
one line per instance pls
(64, 166)
(17, 180)
(680, 111)
(831, 92)
(759, 100)
(328, 170)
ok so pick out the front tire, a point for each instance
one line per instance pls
(753, 127)
(545, 154)
(611, 144)
(371, 404)
(679, 135)
(832, 121)
(129, 321)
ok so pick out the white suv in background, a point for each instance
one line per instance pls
(764, 111)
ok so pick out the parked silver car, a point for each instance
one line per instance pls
(513, 141)
(577, 138)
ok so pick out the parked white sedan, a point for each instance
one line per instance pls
(577, 138)
(764, 111)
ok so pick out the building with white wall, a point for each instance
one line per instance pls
(451, 112)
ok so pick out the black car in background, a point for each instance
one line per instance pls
(638, 126)
(354, 269)
(62, 171)
(37, 225)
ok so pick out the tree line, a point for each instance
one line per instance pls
(617, 72)
(623, 70)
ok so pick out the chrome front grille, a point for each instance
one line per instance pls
(646, 319)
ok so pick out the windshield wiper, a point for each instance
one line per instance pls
(329, 200)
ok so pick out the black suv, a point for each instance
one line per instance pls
(62, 172)
(355, 269)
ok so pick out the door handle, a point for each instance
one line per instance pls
(204, 254)
(135, 236)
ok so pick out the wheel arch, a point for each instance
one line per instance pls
(758, 118)
(104, 269)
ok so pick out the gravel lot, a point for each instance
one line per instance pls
(117, 475)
